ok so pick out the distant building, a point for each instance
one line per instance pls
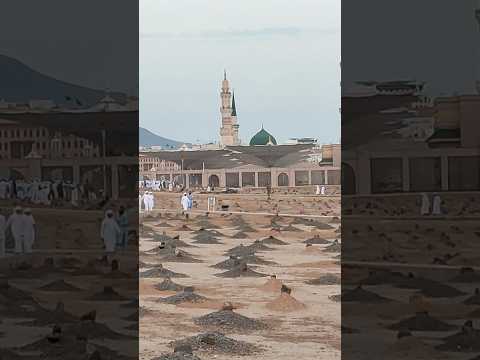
(98, 148)
(229, 164)
(149, 163)
(411, 144)
(296, 141)
(17, 141)
(247, 166)
(209, 146)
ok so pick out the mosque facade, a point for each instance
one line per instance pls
(259, 166)
(260, 163)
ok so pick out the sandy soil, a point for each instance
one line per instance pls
(311, 331)
(67, 234)
(436, 263)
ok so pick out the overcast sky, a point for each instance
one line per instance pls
(282, 58)
(432, 41)
(81, 42)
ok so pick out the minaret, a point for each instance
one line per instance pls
(229, 129)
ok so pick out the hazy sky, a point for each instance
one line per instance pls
(282, 59)
(429, 40)
(81, 42)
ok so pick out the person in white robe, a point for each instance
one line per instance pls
(109, 232)
(16, 223)
(29, 231)
(190, 200)
(318, 190)
(140, 200)
(151, 201)
(146, 201)
(425, 208)
(22, 193)
(35, 192)
(437, 205)
(185, 202)
(75, 195)
(3, 237)
(322, 190)
(45, 193)
(55, 190)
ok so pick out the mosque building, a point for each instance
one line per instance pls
(260, 163)
(262, 138)
(229, 130)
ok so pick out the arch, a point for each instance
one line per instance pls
(214, 181)
(349, 184)
(283, 179)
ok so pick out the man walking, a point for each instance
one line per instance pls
(30, 230)
(123, 224)
(109, 232)
(16, 223)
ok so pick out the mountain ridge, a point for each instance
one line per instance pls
(148, 138)
(21, 83)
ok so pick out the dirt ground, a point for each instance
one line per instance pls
(311, 331)
(30, 291)
(424, 268)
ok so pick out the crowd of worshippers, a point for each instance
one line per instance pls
(47, 192)
(20, 226)
(161, 185)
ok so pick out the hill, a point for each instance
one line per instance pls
(20, 84)
(148, 138)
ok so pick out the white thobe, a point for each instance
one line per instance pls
(185, 202)
(436, 209)
(109, 233)
(29, 232)
(75, 196)
(425, 210)
(16, 223)
(151, 201)
(146, 202)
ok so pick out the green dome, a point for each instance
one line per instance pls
(263, 137)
